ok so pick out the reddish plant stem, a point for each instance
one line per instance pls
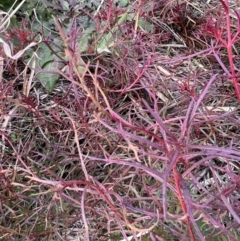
(230, 57)
(228, 45)
(178, 179)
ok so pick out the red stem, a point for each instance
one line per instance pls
(229, 48)
(177, 179)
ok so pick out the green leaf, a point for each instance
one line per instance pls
(107, 40)
(44, 55)
(145, 25)
(49, 80)
(48, 62)
(83, 44)
(65, 5)
(122, 3)
(6, 4)
(13, 137)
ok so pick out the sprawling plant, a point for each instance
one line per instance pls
(120, 120)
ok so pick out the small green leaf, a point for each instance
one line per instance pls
(122, 3)
(48, 63)
(145, 25)
(83, 44)
(65, 5)
(105, 44)
(80, 70)
(13, 137)
(107, 40)
(48, 80)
